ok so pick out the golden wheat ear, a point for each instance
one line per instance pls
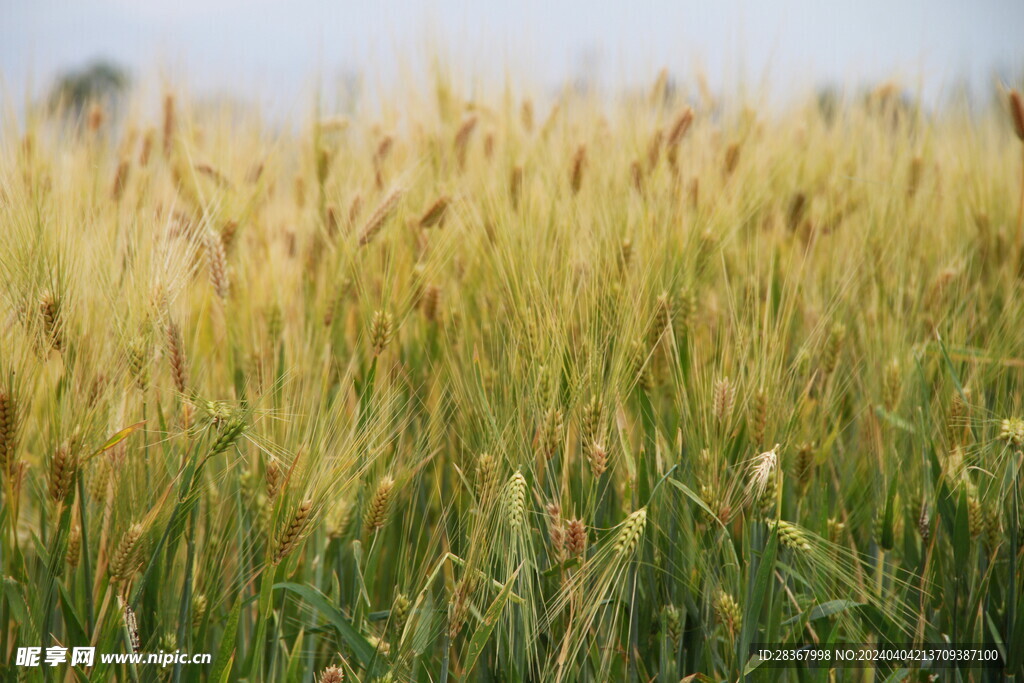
(379, 506)
(379, 216)
(579, 160)
(293, 531)
(1017, 113)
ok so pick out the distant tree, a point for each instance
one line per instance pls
(830, 100)
(888, 101)
(99, 81)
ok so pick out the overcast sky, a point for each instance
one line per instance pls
(274, 49)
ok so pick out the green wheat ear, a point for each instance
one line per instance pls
(1011, 430)
(833, 348)
(382, 329)
(790, 535)
(728, 612)
(515, 501)
(631, 532)
(673, 624)
(228, 436)
(486, 477)
(400, 612)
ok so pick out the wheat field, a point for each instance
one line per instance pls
(511, 387)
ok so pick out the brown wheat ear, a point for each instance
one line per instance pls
(435, 213)
(377, 510)
(96, 117)
(354, 208)
(1017, 113)
(654, 149)
(53, 325)
(732, 159)
(526, 115)
(169, 119)
(120, 179)
(9, 423)
(124, 561)
(556, 529)
(332, 674)
(218, 262)
(63, 467)
(462, 138)
(429, 303)
(382, 329)
(379, 216)
(598, 457)
(74, 552)
(515, 185)
(575, 538)
(579, 160)
(147, 147)
(274, 477)
(176, 357)
(637, 175)
(679, 127)
(724, 398)
(293, 532)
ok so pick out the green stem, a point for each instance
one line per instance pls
(83, 521)
(184, 609)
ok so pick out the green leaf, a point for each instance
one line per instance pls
(696, 499)
(490, 620)
(752, 664)
(821, 673)
(647, 450)
(888, 535)
(115, 439)
(962, 531)
(952, 370)
(225, 653)
(296, 658)
(627, 451)
(72, 620)
(895, 420)
(557, 569)
(756, 598)
(825, 609)
(15, 593)
(226, 674)
(361, 648)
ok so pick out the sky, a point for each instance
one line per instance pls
(276, 50)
